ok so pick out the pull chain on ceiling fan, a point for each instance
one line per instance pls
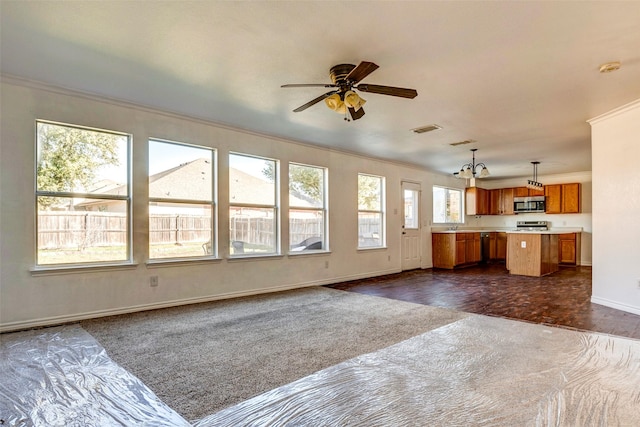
(344, 99)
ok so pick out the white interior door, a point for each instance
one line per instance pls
(411, 235)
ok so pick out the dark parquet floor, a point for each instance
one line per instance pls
(560, 299)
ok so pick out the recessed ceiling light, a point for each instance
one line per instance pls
(427, 128)
(609, 67)
(466, 141)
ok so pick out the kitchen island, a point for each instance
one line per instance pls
(533, 253)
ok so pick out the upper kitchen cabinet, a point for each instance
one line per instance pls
(501, 201)
(571, 198)
(527, 192)
(562, 198)
(477, 201)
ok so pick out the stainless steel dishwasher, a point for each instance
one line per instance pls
(484, 247)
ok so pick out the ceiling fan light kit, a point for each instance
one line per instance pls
(340, 102)
(352, 100)
(343, 99)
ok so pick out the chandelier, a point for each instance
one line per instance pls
(533, 183)
(469, 170)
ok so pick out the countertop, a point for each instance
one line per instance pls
(559, 230)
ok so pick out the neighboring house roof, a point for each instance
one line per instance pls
(192, 181)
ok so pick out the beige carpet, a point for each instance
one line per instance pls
(202, 358)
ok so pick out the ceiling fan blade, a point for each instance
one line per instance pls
(310, 85)
(388, 90)
(314, 101)
(361, 71)
(355, 115)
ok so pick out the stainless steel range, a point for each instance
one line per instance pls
(532, 226)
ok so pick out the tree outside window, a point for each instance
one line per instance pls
(82, 195)
(307, 208)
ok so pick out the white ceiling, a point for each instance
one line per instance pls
(519, 78)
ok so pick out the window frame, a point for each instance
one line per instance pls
(461, 192)
(381, 212)
(212, 203)
(324, 209)
(276, 207)
(128, 199)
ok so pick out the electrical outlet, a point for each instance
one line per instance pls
(153, 281)
(523, 244)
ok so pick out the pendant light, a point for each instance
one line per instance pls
(533, 183)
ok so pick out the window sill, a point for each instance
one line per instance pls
(250, 257)
(74, 269)
(373, 248)
(178, 262)
(297, 254)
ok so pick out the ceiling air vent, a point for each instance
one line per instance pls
(466, 141)
(425, 129)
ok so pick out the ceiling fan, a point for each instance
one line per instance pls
(345, 78)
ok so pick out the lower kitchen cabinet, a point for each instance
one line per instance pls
(501, 246)
(453, 249)
(569, 249)
(497, 246)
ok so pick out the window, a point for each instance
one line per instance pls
(447, 205)
(253, 205)
(370, 211)
(307, 208)
(181, 200)
(411, 209)
(82, 195)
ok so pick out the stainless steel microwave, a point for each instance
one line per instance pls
(528, 204)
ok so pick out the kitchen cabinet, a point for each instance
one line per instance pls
(569, 248)
(553, 198)
(570, 198)
(532, 254)
(533, 192)
(520, 192)
(474, 254)
(497, 246)
(501, 201)
(454, 249)
(492, 245)
(562, 198)
(477, 201)
(461, 248)
(501, 246)
(527, 192)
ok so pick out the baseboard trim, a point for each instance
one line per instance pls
(616, 305)
(71, 318)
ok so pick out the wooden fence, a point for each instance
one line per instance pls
(92, 229)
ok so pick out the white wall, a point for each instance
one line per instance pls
(615, 141)
(582, 220)
(31, 299)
